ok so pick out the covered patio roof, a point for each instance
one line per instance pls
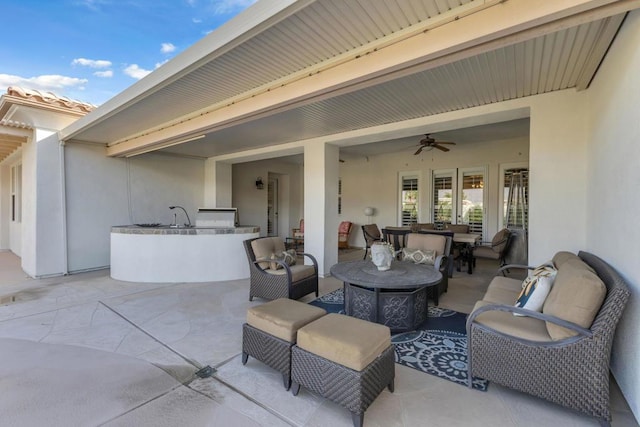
(286, 71)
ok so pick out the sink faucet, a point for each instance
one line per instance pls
(185, 212)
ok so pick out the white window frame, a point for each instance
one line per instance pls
(16, 193)
(484, 170)
(439, 173)
(401, 177)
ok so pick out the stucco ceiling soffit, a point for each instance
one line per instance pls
(350, 77)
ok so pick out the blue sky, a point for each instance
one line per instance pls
(91, 50)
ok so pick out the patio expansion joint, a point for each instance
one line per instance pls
(190, 361)
(140, 405)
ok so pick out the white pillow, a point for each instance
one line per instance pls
(535, 288)
(427, 256)
(533, 295)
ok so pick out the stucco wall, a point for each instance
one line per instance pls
(103, 191)
(374, 181)
(252, 203)
(613, 182)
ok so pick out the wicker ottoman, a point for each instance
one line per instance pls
(344, 359)
(270, 332)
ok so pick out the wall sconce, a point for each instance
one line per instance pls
(259, 183)
(369, 212)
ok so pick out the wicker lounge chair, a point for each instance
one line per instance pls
(573, 371)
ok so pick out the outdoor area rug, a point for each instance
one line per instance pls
(438, 347)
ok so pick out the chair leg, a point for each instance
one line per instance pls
(295, 388)
(391, 386)
(358, 419)
(245, 357)
(286, 379)
(365, 253)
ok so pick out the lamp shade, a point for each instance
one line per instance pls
(368, 211)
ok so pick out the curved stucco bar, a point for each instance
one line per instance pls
(167, 255)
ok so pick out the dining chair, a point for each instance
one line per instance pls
(396, 236)
(496, 249)
(371, 234)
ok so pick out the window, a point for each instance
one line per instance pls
(16, 193)
(442, 198)
(472, 201)
(459, 197)
(409, 200)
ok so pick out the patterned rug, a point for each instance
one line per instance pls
(438, 347)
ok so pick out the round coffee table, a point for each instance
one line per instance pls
(396, 298)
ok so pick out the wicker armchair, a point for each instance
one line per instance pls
(441, 243)
(572, 372)
(287, 281)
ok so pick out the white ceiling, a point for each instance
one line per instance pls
(310, 33)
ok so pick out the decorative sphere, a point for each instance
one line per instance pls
(368, 211)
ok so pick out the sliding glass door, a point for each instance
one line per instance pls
(459, 197)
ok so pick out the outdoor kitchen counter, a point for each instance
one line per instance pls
(166, 254)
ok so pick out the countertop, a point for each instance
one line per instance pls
(168, 230)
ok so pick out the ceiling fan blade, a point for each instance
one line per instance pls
(419, 151)
(446, 142)
(445, 149)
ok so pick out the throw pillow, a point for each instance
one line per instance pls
(418, 256)
(288, 257)
(536, 288)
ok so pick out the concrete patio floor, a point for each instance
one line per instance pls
(87, 350)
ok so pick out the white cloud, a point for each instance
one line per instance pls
(92, 63)
(135, 71)
(222, 7)
(196, 20)
(92, 4)
(160, 64)
(47, 83)
(167, 48)
(106, 74)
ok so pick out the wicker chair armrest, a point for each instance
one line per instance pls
(440, 261)
(515, 266)
(582, 332)
(312, 258)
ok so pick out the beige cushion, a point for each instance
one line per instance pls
(576, 296)
(526, 328)
(298, 272)
(283, 317)
(485, 252)
(503, 290)
(426, 242)
(563, 256)
(345, 340)
(499, 241)
(264, 247)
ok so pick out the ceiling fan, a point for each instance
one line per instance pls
(428, 142)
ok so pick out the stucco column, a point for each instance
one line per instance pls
(321, 170)
(217, 184)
